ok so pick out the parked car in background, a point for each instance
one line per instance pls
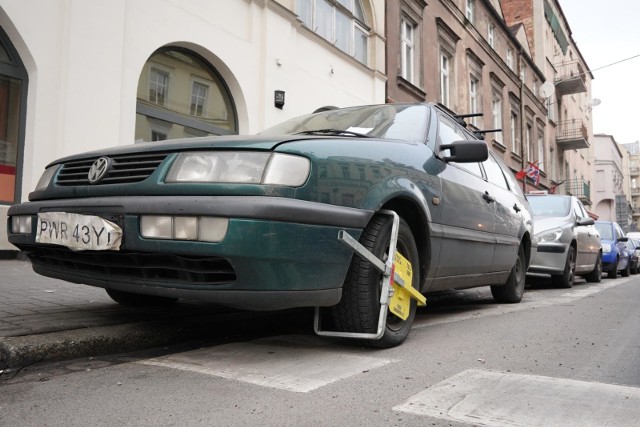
(615, 255)
(633, 246)
(568, 242)
(254, 221)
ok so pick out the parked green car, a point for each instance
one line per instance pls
(253, 221)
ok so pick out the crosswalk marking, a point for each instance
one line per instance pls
(294, 363)
(497, 398)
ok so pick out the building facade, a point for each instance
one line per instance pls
(569, 159)
(609, 198)
(83, 75)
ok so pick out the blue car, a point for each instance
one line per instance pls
(615, 255)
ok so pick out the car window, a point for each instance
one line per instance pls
(494, 173)
(450, 132)
(579, 209)
(605, 230)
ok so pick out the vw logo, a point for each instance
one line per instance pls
(99, 169)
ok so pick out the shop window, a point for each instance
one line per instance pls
(13, 90)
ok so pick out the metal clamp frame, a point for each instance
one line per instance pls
(386, 268)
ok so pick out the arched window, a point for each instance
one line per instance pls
(180, 95)
(341, 22)
(13, 95)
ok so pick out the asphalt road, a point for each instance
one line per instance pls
(559, 358)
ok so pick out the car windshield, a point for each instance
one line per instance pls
(550, 205)
(392, 121)
(605, 230)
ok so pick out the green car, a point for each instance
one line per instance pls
(253, 222)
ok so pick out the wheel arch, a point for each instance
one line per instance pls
(417, 219)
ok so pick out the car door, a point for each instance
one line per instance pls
(587, 237)
(508, 216)
(468, 213)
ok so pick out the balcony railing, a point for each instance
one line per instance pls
(579, 188)
(572, 135)
(570, 78)
(634, 171)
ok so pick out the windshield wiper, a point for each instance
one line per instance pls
(332, 132)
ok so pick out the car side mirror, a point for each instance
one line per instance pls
(465, 151)
(585, 221)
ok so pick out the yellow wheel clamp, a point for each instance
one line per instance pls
(397, 290)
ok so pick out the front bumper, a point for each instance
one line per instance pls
(277, 253)
(550, 258)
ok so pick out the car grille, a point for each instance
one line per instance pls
(125, 169)
(197, 270)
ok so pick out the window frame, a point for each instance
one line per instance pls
(407, 45)
(155, 68)
(359, 30)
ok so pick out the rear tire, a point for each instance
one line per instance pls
(626, 271)
(596, 275)
(139, 300)
(359, 308)
(566, 279)
(513, 289)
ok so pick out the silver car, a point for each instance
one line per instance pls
(568, 242)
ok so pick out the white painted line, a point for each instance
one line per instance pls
(288, 364)
(496, 398)
(532, 299)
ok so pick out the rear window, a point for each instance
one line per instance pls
(550, 206)
(605, 230)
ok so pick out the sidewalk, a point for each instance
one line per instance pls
(43, 319)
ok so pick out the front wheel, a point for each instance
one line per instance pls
(513, 290)
(626, 271)
(359, 308)
(613, 272)
(566, 279)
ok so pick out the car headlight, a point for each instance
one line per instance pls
(46, 177)
(549, 236)
(606, 247)
(248, 167)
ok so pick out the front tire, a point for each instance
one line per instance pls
(513, 289)
(566, 279)
(139, 300)
(359, 308)
(596, 275)
(626, 271)
(613, 272)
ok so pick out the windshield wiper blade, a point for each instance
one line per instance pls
(332, 132)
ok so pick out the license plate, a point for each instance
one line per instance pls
(78, 232)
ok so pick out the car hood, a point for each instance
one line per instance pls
(542, 224)
(251, 142)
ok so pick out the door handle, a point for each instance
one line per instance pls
(488, 197)
(516, 207)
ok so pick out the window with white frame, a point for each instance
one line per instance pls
(474, 95)
(198, 98)
(514, 132)
(541, 149)
(341, 22)
(496, 115)
(510, 58)
(158, 86)
(407, 51)
(470, 10)
(445, 77)
(528, 147)
(491, 35)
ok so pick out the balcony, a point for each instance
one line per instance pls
(570, 78)
(579, 188)
(572, 135)
(636, 212)
(634, 171)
